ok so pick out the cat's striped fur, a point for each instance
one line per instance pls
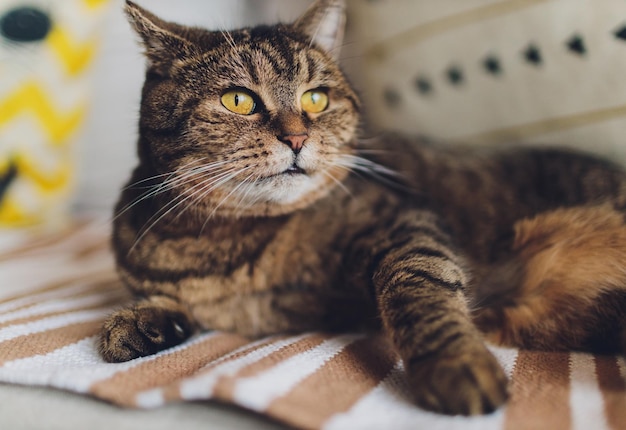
(229, 225)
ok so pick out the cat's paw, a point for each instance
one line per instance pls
(143, 329)
(471, 383)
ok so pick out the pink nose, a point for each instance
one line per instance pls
(295, 141)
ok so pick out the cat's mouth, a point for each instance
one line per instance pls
(294, 170)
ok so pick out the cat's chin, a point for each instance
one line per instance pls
(279, 194)
(288, 187)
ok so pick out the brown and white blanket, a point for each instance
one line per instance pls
(56, 289)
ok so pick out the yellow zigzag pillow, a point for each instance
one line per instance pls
(46, 49)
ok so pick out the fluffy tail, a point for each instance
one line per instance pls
(564, 286)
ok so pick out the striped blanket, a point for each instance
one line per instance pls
(55, 291)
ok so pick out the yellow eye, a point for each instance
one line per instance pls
(239, 101)
(314, 101)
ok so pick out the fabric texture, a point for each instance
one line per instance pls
(57, 289)
(495, 71)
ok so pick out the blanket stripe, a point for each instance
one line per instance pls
(612, 386)
(364, 363)
(540, 383)
(56, 290)
(585, 390)
(124, 386)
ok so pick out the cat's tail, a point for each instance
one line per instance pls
(564, 286)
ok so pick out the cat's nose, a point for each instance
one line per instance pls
(295, 141)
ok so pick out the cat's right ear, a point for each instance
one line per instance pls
(324, 23)
(164, 45)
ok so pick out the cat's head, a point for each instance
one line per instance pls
(258, 121)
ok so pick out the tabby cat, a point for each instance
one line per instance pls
(254, 210)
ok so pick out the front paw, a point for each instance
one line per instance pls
(470, 383)
(143, 329)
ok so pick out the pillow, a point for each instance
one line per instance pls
(494, 71)
(46, 49)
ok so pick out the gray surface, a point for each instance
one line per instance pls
(27, 408)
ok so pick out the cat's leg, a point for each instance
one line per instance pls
(144, 328)
(419, 282)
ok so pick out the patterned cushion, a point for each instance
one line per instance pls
(45, 54)
(496, 71)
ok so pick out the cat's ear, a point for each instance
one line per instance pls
(163, 41)
(324, 23)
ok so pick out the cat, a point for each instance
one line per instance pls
(254, 210)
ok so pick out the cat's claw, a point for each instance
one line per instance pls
(469, 384)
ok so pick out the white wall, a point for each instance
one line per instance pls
(107, 152)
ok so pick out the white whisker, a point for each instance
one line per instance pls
(245, 195)
(168, 175)
(229, 195)
(169, 207)
(209, 187)
(233, 45)
(338, 182)
(383, 174)
(170, 184)
(364, 163)
(226, 198)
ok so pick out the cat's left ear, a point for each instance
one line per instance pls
(324, 22)
(163, 41)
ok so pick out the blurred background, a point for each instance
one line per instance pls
(471, 71)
